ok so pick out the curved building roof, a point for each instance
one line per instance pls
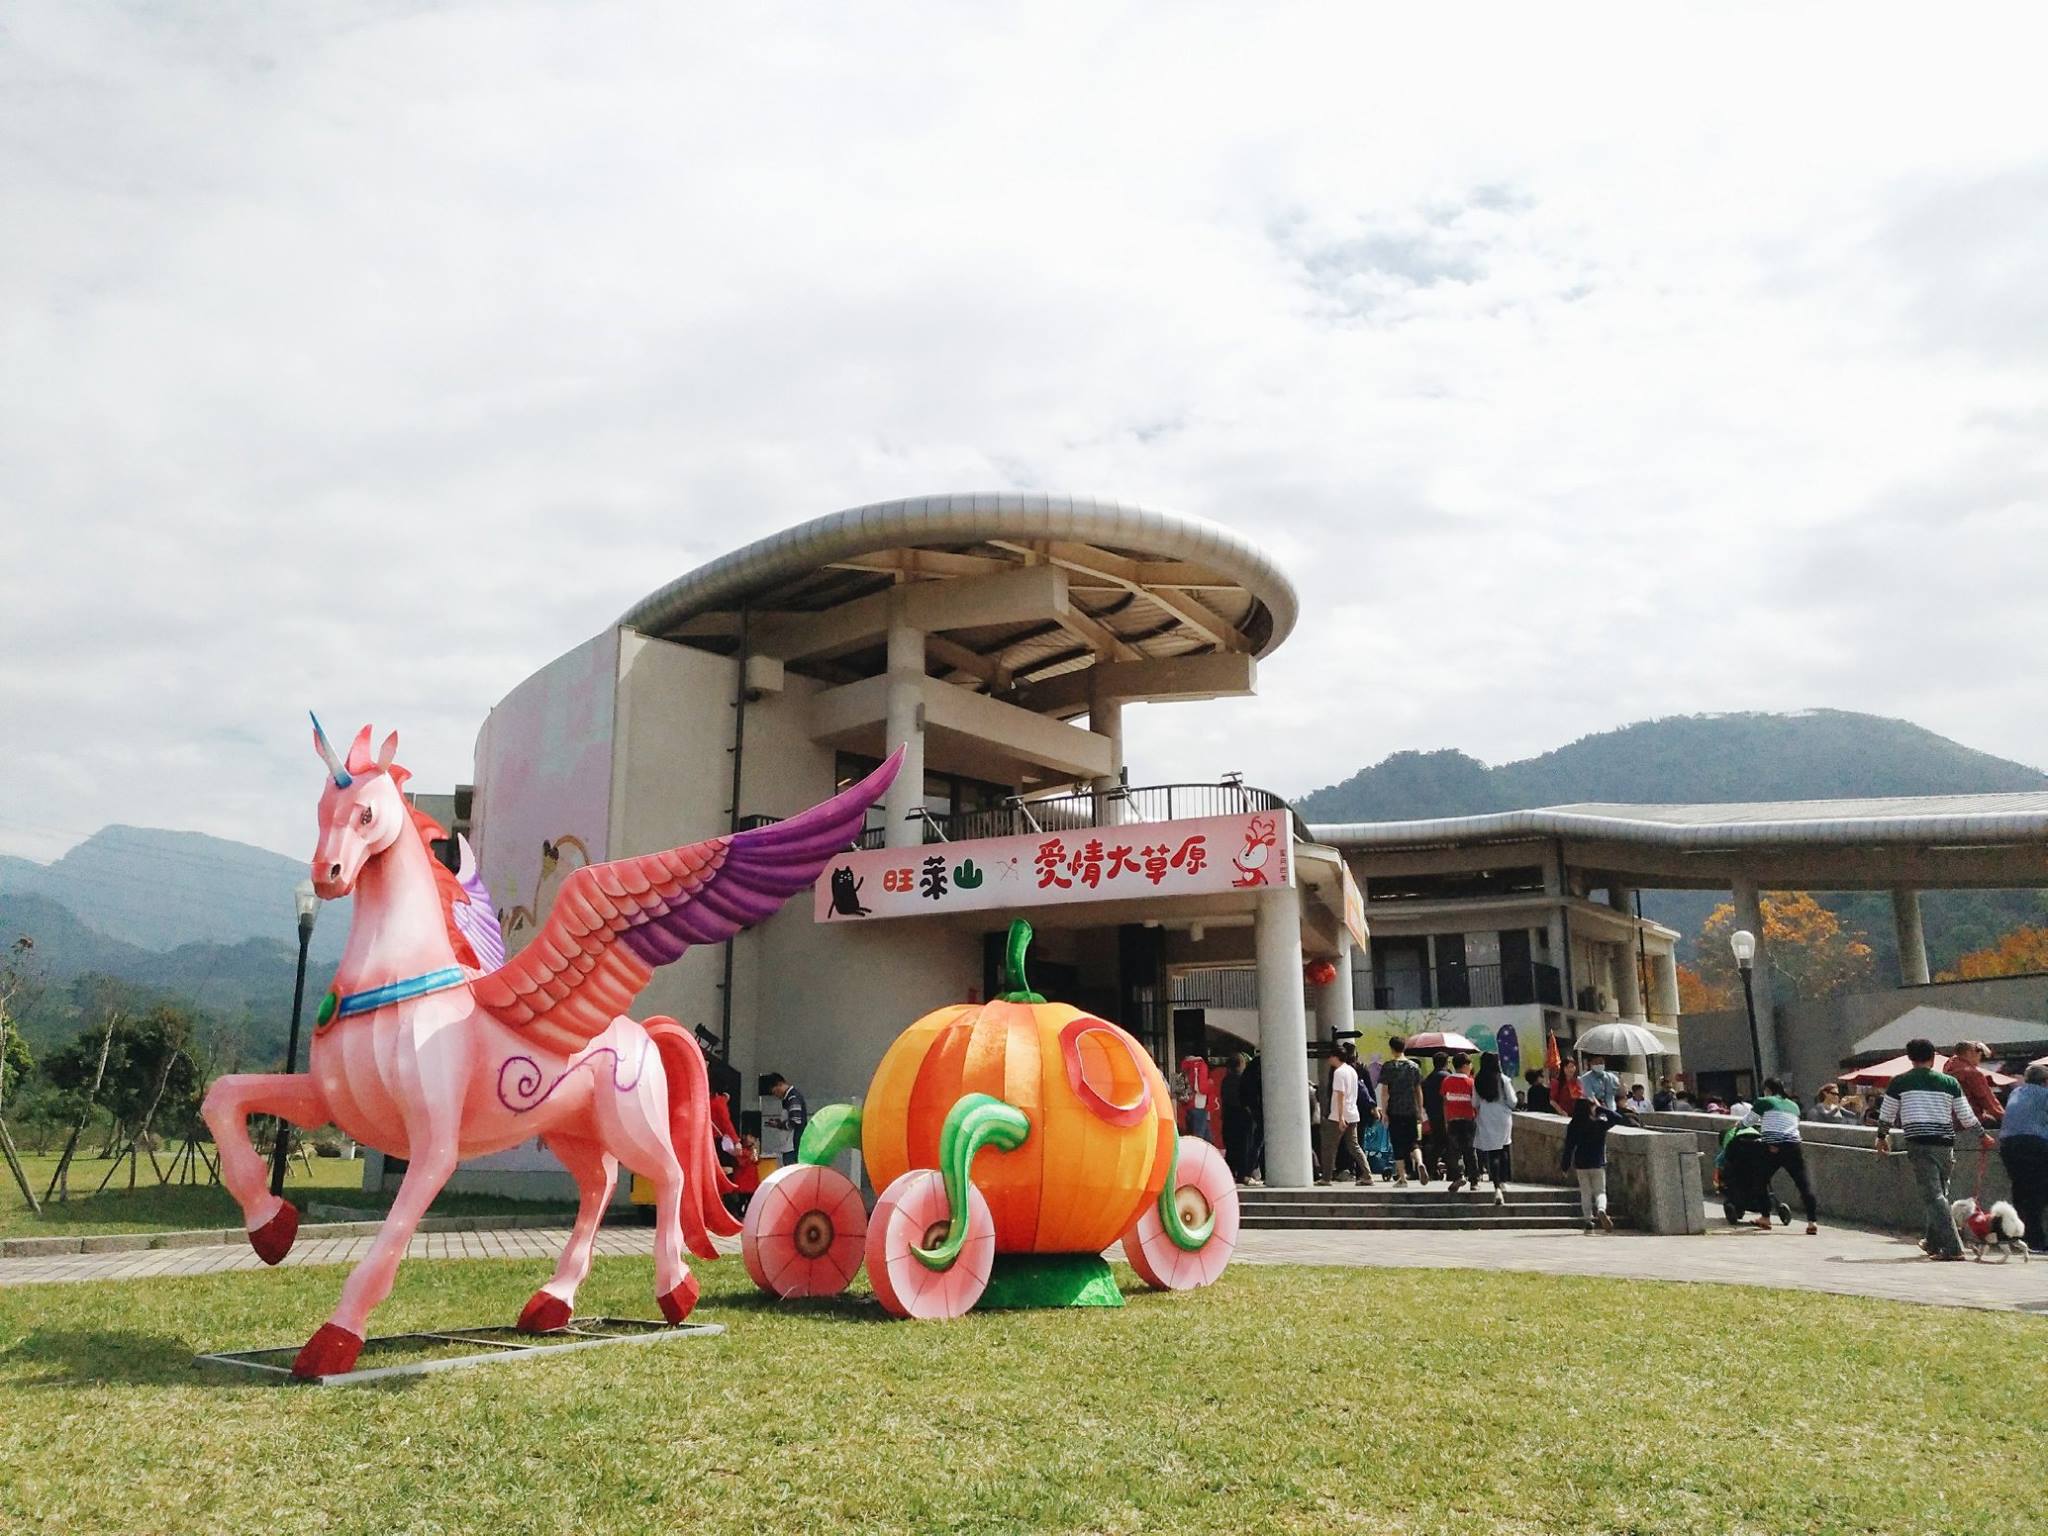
(1143, 583)
(1904, 820)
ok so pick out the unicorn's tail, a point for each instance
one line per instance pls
(689, 1129)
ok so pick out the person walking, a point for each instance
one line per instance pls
(1494, 1123)
(1401, 1107)
(1585, 1156)
(1601, 1085)
(1344, 1115)
(1436, 1144)
(1929, 1108)
(1255, 1111)
(787, 1126)
(1966, 1066)
(1564, 1093)
(1237, 1119)
(2023, 1148)
(1196, 1090)
(1461, 1114)
(1777, 1117)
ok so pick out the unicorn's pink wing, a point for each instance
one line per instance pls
(611, 924)
(475, 916)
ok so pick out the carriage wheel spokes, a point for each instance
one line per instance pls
(932, 1240)
(1185, 1237)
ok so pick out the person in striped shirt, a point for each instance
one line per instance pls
(1928, 1106)
(1777, 1117)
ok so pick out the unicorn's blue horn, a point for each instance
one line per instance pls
(328, 755)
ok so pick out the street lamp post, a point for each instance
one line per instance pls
(309, 908)
(1743, 943)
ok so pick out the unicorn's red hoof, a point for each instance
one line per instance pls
(544, 1314)
(678, 1303)
(330, 1352)
(273, 1240)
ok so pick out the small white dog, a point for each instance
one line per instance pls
(1994, 1230)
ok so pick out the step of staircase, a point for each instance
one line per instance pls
(1494, 1219)
(1383, 1207)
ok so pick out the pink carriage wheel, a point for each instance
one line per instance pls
(1203, 1188)
(913, 1212)
(804, 1231)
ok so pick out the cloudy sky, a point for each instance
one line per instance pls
(1580, 370)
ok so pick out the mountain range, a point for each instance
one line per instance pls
(1818, 754)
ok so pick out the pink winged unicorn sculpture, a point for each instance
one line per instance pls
(433, 1047)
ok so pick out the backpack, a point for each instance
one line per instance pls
(1182, 1089)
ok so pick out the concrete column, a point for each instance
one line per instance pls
(1912, 937)
(1664, 985)
(1333, 1002)
(1628, 979)
(1106, 718)
(1283, 1039)
(905, 728)
(1749, 913)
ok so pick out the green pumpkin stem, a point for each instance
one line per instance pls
(1016, 988)
(978, 1120)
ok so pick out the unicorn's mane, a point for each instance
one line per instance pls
(446, 886)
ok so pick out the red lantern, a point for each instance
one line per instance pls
(1321, 973)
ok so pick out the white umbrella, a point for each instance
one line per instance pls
(1618, 1040)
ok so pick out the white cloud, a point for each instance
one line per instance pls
(1579, 372)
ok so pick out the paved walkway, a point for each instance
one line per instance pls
(1848, 1261)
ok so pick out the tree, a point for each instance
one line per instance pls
(1811, 954)
(19, 986)
(1695, 996)
(2018, 953)
(136, 1072)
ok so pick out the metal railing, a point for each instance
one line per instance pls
(1076, 810)
(1472, 986)
(1221, 987)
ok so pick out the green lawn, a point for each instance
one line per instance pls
(1282, 1399)
(168, 1208)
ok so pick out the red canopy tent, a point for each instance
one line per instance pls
(1884, 1071)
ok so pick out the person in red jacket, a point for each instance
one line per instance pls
(1966, 1066)
(1461, 1121)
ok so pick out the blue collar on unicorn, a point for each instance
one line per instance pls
(342, 1005)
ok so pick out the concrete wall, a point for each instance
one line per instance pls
(1653, 1181)
(1813, 1037)
(1850, 1180)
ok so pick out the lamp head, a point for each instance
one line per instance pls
(307, 900)
(1743, 943)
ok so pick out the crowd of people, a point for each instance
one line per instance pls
(1397, 1122)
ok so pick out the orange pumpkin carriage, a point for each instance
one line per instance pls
(1016, 1128)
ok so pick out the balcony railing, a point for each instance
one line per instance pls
(1470, 986)
(1074, 811)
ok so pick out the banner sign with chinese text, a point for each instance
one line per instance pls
(1135, 860)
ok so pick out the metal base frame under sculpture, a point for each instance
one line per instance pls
(498, 1345)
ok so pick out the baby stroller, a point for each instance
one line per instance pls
(1743, 1170)
(1379, 1149)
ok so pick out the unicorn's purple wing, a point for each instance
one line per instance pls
(475, 916)
(611, 924)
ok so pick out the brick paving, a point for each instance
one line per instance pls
(1847, 1261)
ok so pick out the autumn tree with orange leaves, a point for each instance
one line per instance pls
(1811, 954)
(1695, 996)
(2016, 954)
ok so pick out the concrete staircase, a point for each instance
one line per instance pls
(1425, 1207)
